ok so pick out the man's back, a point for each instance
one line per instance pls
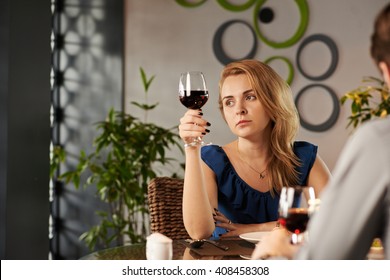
(356, 205)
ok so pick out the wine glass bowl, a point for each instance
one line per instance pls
(193, 94)
(293, 214)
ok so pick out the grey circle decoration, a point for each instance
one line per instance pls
(217, 43)
(334, 52)
(332, 118)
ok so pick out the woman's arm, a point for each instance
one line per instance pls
(237, 229)
(197, 210)
(319, 176)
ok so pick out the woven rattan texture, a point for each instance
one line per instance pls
(165, 195)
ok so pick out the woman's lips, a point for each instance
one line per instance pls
(242, 122)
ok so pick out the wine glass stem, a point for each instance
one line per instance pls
(296, 238)
(200, 140)
(195, 142)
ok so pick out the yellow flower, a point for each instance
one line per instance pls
(376, 243)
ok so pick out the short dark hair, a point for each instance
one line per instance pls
(380, 39)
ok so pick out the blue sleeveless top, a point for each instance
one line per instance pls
(238, 201)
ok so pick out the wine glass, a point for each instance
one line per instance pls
(294, 214)
(193, 94)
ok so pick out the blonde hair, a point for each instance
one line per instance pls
(276, 97)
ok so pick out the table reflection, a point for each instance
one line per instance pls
(180, 252)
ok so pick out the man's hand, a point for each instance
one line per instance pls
(275, 244)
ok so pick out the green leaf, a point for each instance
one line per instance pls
(145, 107)
(364, 106)
(145, 80)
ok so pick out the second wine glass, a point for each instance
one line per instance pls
(193, 94)
(293, 213)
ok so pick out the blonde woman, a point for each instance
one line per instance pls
(234, 189)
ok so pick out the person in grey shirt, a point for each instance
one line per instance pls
(355, 207)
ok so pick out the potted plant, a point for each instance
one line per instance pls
(370, 100)
(121, 166)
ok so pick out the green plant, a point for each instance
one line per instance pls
(123, 162)
(370, 100)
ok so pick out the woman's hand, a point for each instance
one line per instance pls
(192, 125)
(275, 244)
(233, 229)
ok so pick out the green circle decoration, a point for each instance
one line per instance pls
(236, 7)
(289, 65)
(303, 10)
(187, 4)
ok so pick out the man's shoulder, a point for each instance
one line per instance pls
(374, 129)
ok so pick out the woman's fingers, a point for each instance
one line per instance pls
(193, 125)
(194, 117)
(219, 217)
(192, 130)
(199, 122)
(225, 223)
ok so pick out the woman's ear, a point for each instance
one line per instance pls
(385, 72)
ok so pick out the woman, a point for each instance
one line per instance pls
(234, 189)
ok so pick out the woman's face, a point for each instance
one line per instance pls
(242, 109)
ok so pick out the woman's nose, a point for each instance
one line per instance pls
(241, 110)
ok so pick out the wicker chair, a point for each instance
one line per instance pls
(165, 196)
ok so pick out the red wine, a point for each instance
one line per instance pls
(282, 221)
(296, 220)
(195, 99)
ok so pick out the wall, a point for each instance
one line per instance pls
(166, 39)
(24, 128)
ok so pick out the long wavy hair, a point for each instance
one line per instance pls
(276, 97)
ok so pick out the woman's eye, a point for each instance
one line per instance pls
(229, 103)
(251, 97)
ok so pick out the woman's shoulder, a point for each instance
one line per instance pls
(211, 150)
(303, 147)
(213, 153)
(215, 157)
(306, 153)
(224, 152)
